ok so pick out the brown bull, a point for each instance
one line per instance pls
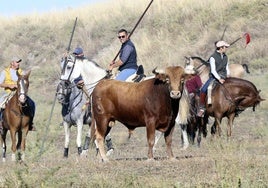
(153, 104)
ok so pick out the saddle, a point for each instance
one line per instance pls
(138, 76)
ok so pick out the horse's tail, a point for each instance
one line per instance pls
(245, 66)
(184, 107)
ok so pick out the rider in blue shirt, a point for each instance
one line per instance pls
(127, 62)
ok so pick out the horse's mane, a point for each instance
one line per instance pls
(200, 59)
(91, 71)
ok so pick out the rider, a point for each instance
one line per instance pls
(127, 62)
(219, 70)
(8, 81)
(193, 83)
(193, 80)
(79, 54)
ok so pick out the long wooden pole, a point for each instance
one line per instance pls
(135, 26)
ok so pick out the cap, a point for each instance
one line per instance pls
(189, 69)
(78, 51)
(222, 43)
(16, 59)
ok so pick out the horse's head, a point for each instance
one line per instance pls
(68, 69)
(23, 85)
(63, 91)
(188, 61)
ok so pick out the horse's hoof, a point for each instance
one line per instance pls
(32, 128)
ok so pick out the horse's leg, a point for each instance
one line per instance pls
(200, 124)
(23, 143)
(13, 145)
(158, 135)
(230, 124)
(217, 124)
(213, 128)
(19, 144)
(79, 136)
(67, 138)
(87, 141)
(109, 144)
(184, 136)
(4, 146)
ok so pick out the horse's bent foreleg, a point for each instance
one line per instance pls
(67, 130)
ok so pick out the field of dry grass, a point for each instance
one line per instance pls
(169, 31)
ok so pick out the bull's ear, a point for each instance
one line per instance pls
(162, 77)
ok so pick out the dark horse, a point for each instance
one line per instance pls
(228, 100)
(203, 69)
(17, 118)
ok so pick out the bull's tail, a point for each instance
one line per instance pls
(245, 66)
(184, 107)
(93, 131)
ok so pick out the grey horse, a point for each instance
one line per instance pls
(76, 111)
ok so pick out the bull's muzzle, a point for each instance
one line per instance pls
(175, 94)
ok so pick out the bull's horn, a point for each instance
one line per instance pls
(158, 71)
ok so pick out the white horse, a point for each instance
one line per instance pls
(77, 112)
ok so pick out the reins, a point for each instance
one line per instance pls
(229, 97)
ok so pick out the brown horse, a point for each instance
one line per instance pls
(203, 69)
(230, 99)
(17, 118)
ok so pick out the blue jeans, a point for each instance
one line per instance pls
(124, 74)
(205, 86)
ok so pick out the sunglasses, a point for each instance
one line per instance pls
(121, 37)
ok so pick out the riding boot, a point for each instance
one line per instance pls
(202, 105)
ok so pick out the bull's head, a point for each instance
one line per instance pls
(174, 77)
